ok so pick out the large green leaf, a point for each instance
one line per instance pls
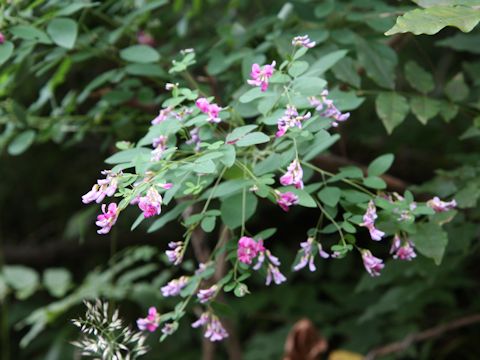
(424, 108)
(392, 109)
(236, 208)
(6, 50)
(140, 54)
(326, 62)
(433, 19)
(430, 240)
(379, 61)
(63, 32)
(380, 165)
(430, 3)
(418, 78)
(462, 42)
(21, 142)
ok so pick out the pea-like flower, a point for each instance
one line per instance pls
(159, 145)
(441, 206)
(290, 119)
(261, 75)
(162, 115)
(294, 175)
(372, 264)
(194, 139)
(175, 254)
(107, 219)
(303, 41)
(248, 249)
(151, 322)
(214, 329)
(369, 222)
(327, 108)
(308, 252)
(211, 109)
(286, 200)
(103, 187)
(402, 250)
(151, 204)
(175, 286)
(205, 295)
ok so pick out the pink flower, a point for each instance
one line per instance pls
(372, 264)
(175, 255)
(441, 206)
(303, 41)
(260, 75)
(2, 38)
(162, 115)
(294, 175)
(330, 111)
(212, 110)
(103, 187)
(273, 271)
(145, 38)
(151, 204)
(308, 255)
(290, 119)
(403, 251)
(248, 249)
(106, 220)
(174, 287)
(151, 322)
(286, 200)
(369, 222)
(194, 138)
(165, 186)
(214, 330)
(205, 295)
(160, 145)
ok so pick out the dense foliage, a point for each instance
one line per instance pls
(229, 138)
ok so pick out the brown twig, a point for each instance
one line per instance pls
(422, 336)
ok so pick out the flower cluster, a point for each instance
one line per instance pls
(402, 250)
(212, 110)
(303, 41)
(103, 187)
(175, 254)
(174, 287)
(159, 145)
(294, 175)
(151, 203)
(206, 295)
(327, 108)
(108, 218)
(308, 252)
(286, 200)
(151, 322)
(372, 264)
(290, 119)
(261, 75)
(441, 206)
(248, 249)
(214, 330)
(369, 222)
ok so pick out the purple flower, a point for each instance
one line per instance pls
(174, 287)
(441, 206)
(248, 249)
(369, 222)
(194, 138)
(160, 145)
(274, 272)
(162, 115)
(330, 110)
(294, 175)
(169, 328)
(205, 295)
(103, 187)
(145, 38)
(109, 217)
(214, 330)
(290, 119)
(287, 199)
(403, 251)
(308, 255)
(261, 75)
(151, 322)
(151, 204)
(303, 41)
(2, 38)
(372, 264)
(175, 255)
(212, 110)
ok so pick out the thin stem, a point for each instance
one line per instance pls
(327, 215)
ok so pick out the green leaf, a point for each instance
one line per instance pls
(424, 108)
(323, 140)
(448, 110)
(229, 155)
(253, 138)
(140, 54)
(430, 3)
(208, 223)
(169, 216)
(239, 132)
(345, 71)
(433, 19)
(28, 32)
(380, 165)
(456, 89)
(430, 240)
(298, 68)
(22, 279)
(148, 70)
(379, 61)
(63, 32)
(252, 94)
(392, 109)
(462, 42)
(6, 50)
(418, 78)
(308, 86)
(21, 142)
(232, 209)
(330, 195)
(326, 62)
(57, 281)
(374, 182)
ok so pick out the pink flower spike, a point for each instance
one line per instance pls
(175, 286)
(369, 222)
(106, 220)
(151, 204)
(212, 110)
(294, 175)
(175, 255)
(405, 251)
(205, 295)
(2, 38)
(162, 115)
(248, 249)
(151, 322)
(441, 206)
(286, 200)
(103, 187)
(261, 75)
(290, 119)
(372, 264)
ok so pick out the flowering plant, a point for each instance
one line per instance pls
(210, 163)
